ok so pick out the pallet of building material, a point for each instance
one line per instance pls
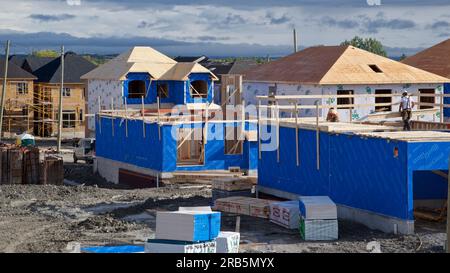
(228, 242)
(260, 208)
(15, 160)
(52, 171)
(30, 173)
(220, 194)
(233, 205)
(170, 246)
(318, 230)
(190, 226)
(317, 208)
(285, 214)
(232, 184)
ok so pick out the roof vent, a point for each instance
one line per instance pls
(375, 68)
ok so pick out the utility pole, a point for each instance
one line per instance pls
(5, 76)
(60, 100)
(295, 41)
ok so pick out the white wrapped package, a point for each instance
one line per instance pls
(228, 242)
(168, 246)
(319, 230)
(317, 208)
(286, 214)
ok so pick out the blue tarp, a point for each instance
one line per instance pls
(114, 249)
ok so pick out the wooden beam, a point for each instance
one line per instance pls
(126, 119)
(297, 153)
(205, 132)
(112, 113)
(143, 117)
(99, 114)
(448, 214)
(317, 137)
(159, 117)
(259, 128)
(277, 113)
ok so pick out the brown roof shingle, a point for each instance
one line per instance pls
(435, 59)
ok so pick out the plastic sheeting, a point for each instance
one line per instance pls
(447, 100)
(114, 249)
(354, 171)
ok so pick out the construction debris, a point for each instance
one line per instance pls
(228, 242)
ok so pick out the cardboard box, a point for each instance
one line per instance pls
(169, 246)
(286, 214)
(191, 226)
(228, 242)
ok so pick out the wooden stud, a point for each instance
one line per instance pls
(448, 214)
(205, 132)
(99, 114)
(126, 119)
(159, 117)
(441, 109)
(243, 121)
(112, 116)
(297, 144)
(278, 131)
(143, 117)
(317, 137)
(259, 128)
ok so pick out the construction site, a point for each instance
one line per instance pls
(329, 149)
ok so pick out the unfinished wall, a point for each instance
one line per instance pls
(106, 90)
(251, 90)
(359, 173)
(161, 155)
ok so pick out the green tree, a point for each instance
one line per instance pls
(369, 44)
(403, 57)
(46, 53)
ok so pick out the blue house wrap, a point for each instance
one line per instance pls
(447, 100)
(358, 172)
(161, 155)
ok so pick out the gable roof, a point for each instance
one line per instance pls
(74, 67)
(435, 59)
(33, 63)
(144, 60)
(331, 65)
(14, 71)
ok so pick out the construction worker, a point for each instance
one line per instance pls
(406, 106)
(333, 115)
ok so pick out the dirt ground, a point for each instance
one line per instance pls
(48, 218)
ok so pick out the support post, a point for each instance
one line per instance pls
(143, 116)
(259, 128)
(5, 81)
(60, 101)
(159, 117)
(278, 130)
(297, 153)
(99, 114)
(126, 119)
(205, 132)
(448, 214)
(441, 116)
(317, 136)
(243, 121)
(112, 116)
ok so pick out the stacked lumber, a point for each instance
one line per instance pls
(245, 206)
(51, 171)
(19, 165)
(30, 166)
(318, 219)
(231, 186)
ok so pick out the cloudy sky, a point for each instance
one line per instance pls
(220, 28)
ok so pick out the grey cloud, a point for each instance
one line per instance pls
(278, 20)
(373, 25)
(346, 23)
(233, 19)
(51, 18)
(439, 25)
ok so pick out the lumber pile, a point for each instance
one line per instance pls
(318, 219)
(21, 165)
(244, 206)
(231, 186)
(285, 214)
(191, 230)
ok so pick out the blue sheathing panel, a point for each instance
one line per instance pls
(114, 249)
(357, 172)
(203, 77)
(161, 155)
(447, 100)
(139, 77)
(134, 149)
